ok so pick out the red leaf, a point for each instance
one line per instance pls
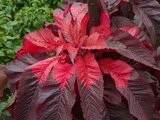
(43, 68)
(31, 49)
(43, 38)
(40, 41)
(71, 50)
(67, 29)
(62, 72)
(119, 70)
(78, 11)
(94, 41)
(88, 71)
(58, 17)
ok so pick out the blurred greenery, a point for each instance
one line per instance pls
(17, 18)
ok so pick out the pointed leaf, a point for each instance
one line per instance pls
(63, 72)
(131, 48)
(94, 41)
(116, 107)
(43, 38)
(92, 100)
(117, 69)
(25, 102)
(15, 69)
(138, 93)
(55, 103)
(58, 17)
(29, 48)
(88, 71)
(90, 85)
(78, 11)
(43, 68)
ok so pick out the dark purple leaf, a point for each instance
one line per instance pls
(26, 97)
(131, 48)
(147, 10)
(15, 69)
(92, 100)
(119, 21)
(116, 108)
(55, 103)
(140, 97)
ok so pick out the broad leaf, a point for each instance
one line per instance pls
(62, 73)
(138, 93)
(131, 48)
(43, 38)
(29, 48)
(90, 85)
(92, 100)
(116, 107)
(88, 71)
(55, 103)
(43, 68)
(25, 102)
(15, 69)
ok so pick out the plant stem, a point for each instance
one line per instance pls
(94, 13)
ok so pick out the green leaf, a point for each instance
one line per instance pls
(2, 53)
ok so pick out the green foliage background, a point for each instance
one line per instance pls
(17, 18)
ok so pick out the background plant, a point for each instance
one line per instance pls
(18, 17)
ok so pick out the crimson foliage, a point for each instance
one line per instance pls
(64, 72)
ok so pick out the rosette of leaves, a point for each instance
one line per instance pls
(65, 72)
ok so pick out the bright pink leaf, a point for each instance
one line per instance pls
(63, 72)
(31, 49)
(105, 19)
(84, 24)
(119, 71)
(88, 71)
(71, 50)
(43, 38)
(78, 11)
(58, 17)
(94, 41)
(43, 68)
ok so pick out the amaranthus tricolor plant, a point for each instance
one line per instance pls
(83, 69)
